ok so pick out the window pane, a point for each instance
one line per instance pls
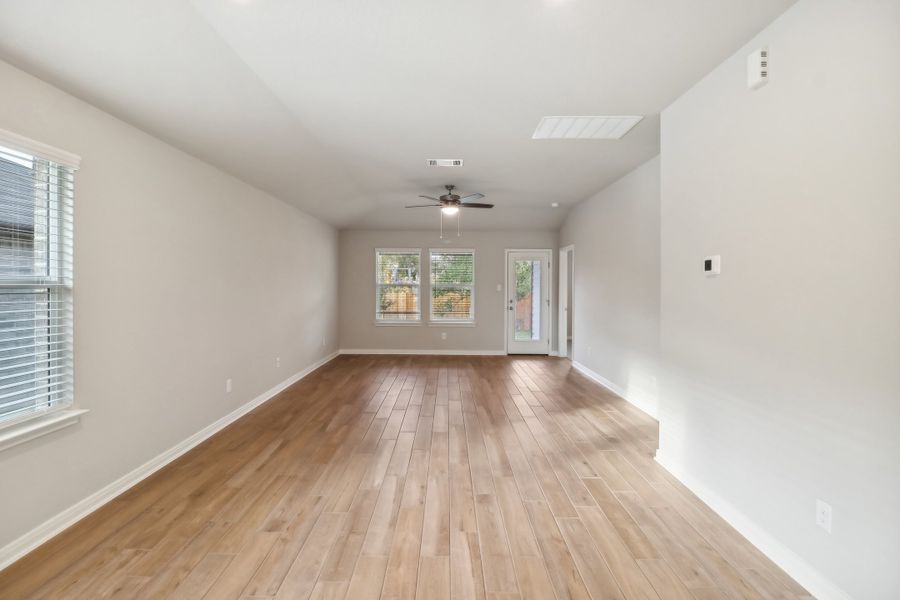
(451, 303)
(398, 302)
(25, 346)
(452, 267)
(398, 268)
(528, 304)
(25, 186)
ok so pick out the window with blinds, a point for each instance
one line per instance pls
(397, 284)
(452, 285)
(36, 205)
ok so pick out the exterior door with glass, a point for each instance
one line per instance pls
(528, 302)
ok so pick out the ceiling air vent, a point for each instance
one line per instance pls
(758, 68)
(444, 162)
(610, 127)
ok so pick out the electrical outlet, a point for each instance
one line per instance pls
(228, 386)
(323, 341)
(277, 361)
(823, 515)
(443, 335)
(589, 350)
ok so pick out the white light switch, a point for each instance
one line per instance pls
(823, 515)
(499, 287)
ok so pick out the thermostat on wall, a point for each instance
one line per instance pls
(712, 265)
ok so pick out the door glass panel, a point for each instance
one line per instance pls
(528, 300)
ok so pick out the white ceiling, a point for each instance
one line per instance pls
(334, 105)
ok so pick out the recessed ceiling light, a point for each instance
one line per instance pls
(610, 127)
(554, 204)
(444, 162)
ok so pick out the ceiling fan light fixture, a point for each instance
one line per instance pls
(450, 210)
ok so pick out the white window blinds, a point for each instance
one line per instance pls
(452, 285)
(36, 219)
(397, 285)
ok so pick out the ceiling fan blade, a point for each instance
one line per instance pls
(475, 205)
(472, 197)
(428, 198)
(422, 205)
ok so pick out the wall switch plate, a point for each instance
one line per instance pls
(499, 287)
(443, 335)
(277, 361)
(823, 515)
(712, 265)
(323, 341)
(228, 386)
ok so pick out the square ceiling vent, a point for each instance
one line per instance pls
(585, 128)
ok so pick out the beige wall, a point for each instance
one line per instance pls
(616, 304)
(184, 277)
(785, 370)
(357, 290)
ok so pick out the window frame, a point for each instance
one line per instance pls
(379, 320)
(57, 282)
(439, 322)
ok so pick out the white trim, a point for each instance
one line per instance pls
(56, 524)
(618, 391)
(452, 324)
(397, 323)
(805, 574)
(422, 352)
(14, 141)
(562, 256)
(23, 431)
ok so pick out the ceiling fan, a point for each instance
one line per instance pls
(450, 203)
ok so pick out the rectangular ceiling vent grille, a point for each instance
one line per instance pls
(445, 162)
(610, 127)
(758, 68)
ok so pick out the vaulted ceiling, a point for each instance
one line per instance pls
(334, 105)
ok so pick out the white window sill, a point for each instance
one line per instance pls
(397, 323)
(451, 323)
(23, 431)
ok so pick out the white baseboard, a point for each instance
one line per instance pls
(803, 573)
(423, 352)
(618, 391)
(55, 525)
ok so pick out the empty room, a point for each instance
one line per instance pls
(505, 300)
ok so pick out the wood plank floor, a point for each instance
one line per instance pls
(494, 478)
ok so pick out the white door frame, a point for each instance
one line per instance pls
(506, 295)
(562, 326)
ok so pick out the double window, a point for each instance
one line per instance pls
(36, 196)
(398, 286)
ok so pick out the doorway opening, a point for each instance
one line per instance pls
(528, 301)
(565, 328)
